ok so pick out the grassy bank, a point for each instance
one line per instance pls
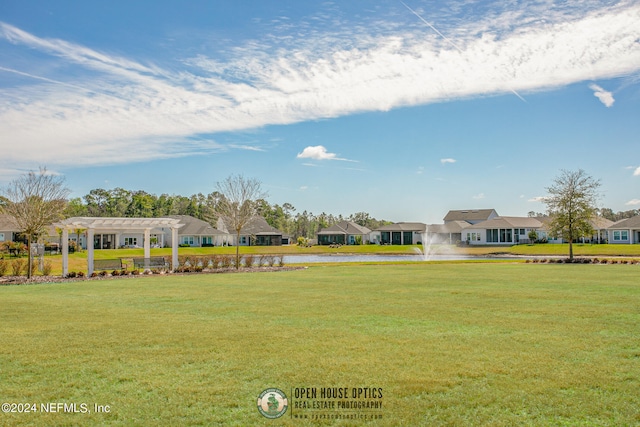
(457, 344)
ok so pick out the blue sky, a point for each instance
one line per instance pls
(400, 109)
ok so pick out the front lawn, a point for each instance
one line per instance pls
(447, 344)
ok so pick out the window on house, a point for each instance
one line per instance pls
(131, 241)
(620, 235)
(1, 237)
(505, 235)
(187, 240)
(492, 236)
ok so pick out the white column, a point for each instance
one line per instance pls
(90, 234)
(65, 252)
(147, 247)
(630, 237)
(174, 248)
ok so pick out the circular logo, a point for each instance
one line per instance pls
(272, 403)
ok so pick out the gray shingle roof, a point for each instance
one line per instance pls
(346, 228)
(469, 215)
(509, 222)
(7, 223)
(196, 227)
(633, 222)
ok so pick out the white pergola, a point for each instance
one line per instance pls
(116, 225)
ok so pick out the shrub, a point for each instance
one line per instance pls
(3, 267)
(18, 266)
(71, 274)
(115, 273)
(214, 263)
(248, 261)
(226, 261)
(46, 268)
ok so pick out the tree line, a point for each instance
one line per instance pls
(603, 212)
(120, 202)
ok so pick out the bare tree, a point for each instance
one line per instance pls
(572, 205)
(237, 204)
(35, 201)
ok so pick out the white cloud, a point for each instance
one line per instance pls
(319, 152)
(479, 196)
(637, 171)
(91, 106)
(604, 96)
(536, 199)
(448, 160)
(633, 202)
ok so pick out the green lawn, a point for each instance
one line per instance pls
(449, 344)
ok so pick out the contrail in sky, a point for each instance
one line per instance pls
(448, 40)
(10, 70)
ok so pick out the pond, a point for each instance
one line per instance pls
(303, 259)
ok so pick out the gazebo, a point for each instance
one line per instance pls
(116, 226)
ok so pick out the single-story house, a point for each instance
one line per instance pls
(501, 230)
(401, 233)
(600, 231)
(198, 233)
(257, 232)
(625, 231)
(343, 233)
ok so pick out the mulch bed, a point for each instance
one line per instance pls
(22, 280)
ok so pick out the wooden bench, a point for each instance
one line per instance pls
(152, 262)
(109, 264)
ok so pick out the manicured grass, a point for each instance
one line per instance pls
(449, 344)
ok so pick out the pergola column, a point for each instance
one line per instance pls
(147, 247)
(90, 235)
(65, 252)
(174, 248)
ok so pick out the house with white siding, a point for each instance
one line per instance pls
(344, 233)
(501, 230)
(625, 231)
(257, 232)
(198, 233)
